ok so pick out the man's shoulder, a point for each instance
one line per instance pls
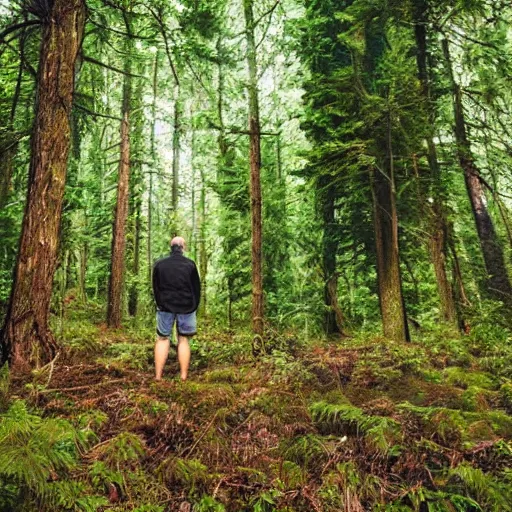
(174, 258)
(161, 260)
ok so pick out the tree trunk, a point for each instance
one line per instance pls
(225, 161)
(193, 234)
(437, 243)
(136, 191)
(81, 256)
(255, 164)
(498, 282)
(26, 339)
(176, 141)
(382, 181)
(6, 159)
(154, 166)
(203, 256)
(392, 308)
(325, 200)
(117, 268)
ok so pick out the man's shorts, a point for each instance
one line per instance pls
(186, 323)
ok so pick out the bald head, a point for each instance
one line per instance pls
(178, 241)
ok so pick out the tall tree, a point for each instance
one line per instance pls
(499, 285)
(26, 338)
(117, 266)
(438, 244)
(382, 179)
(255, 166)
(7, 155)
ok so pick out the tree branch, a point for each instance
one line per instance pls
(159, 19)
(95, 114)
(121, 32)
(107, 66)
(18, 26)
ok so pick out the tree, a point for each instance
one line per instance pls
(117, 266)
(255, 165)
(499, 285)
(438, 243)
(26, 338)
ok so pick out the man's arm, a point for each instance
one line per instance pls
(196, 285)
(156, 291)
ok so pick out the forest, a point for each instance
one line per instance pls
(341, 171)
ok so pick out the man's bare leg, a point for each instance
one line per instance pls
(161, 353)
(183, 355)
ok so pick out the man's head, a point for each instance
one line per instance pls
(178, 242)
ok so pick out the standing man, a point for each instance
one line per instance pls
(177, 291)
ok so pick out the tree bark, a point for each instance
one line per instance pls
(176, 142)
(437, 243)
(6, 159)
(255, 188)
(154, 166)
(117, 267)
(136, 191)
(498, 282)
(325, 201)
(394, 320)
(382, 181)
(26, 339)
(203, 255)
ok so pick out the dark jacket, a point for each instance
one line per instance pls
(176, 284)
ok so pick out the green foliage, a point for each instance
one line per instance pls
(305, 451)
(102, 477)
(266, 501)
(506, 396)
(460, 377)
(380, 432)
(208, 504)
(132, 355)
(33, 452)
(488, 492)
(122, 449)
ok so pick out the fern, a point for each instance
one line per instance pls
(208, 504)
(347, 419)
(491, 494)
(33, 451)
(102, 477)
(438, 501)
(125, 447)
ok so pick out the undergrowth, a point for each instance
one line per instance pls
(357, 424)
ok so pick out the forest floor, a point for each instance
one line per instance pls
(354, 424)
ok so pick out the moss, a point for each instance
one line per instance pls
(226, 375)
(464, 379)
(480, 431)
(475, 399)
(506, 396)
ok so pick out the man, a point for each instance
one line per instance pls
(177, 291)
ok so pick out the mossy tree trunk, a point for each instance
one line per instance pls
(382, 181)
(26, 338)
(437, 243)
(117, 265)
(255, 165)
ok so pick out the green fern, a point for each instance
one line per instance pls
(208, 504)
(305, 451)
(437, 501)
(380, 431)
(102, 477)
(34, 451)
(125, 447)
(492, 495)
